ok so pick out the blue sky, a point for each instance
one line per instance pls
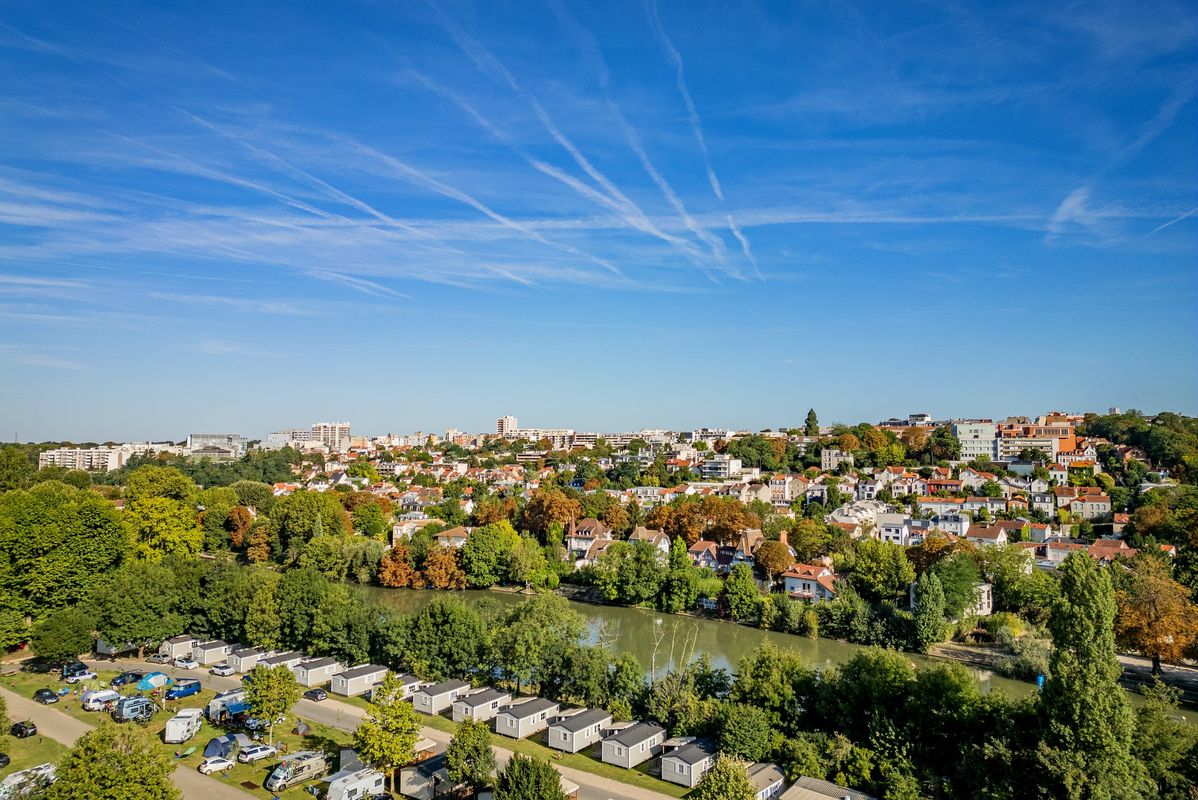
(605, 215)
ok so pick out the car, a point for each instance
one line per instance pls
(316, 695)
(256, 752)
(46, 696)
(259, 724)
(74, 666)
(126, 678)
(4, 760)
(186, 663)
(214, 764)
(23, 730)
(158, 658)
(85, 675)
(222, 669)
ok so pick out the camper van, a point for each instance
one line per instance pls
(296, 768)
(100, 699)
(134, 709)
(353, 784)
(183, 689)
(183, 726)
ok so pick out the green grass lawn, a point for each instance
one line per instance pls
(29, 752)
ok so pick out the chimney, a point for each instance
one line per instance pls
(782, 538)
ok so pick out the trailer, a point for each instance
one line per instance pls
(296, 768)
(183, 726)
(352, 784)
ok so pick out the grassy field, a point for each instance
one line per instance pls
(29, 752)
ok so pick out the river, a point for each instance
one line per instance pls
(659, 640)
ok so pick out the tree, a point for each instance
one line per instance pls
(959, 578)
(680, 589)
(726, 780)
(534, 633)
(114, 762)
(137, 604)
(773, 558)
(369, 520)
(527, 562)
(943, 445)
(470, 758)
(302, 516)
(741, 593)
(1084, 750)
(395, 570)
(744, 731)
(809, 538)
(13, 629)
(1156, 616)
(811, 426)
(150, 481)
(63, 635)
(271, 694)
(1164, 745)
(161, 526)
(441, 568)
(548, 506)
(442, 640)
(487, 553)
(525, 778)
(263, 622)
(929, 612)
(386, 739)
(880, 570)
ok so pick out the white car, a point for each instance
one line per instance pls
(186, 663)
(75, 677)
(222, 669)
(256, 752)
(214, 764)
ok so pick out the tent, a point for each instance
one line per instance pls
(242, 740)
(301, 729)
(155, 680)
(220, 747)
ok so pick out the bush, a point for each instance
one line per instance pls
(1004, 625)
(1029, 658)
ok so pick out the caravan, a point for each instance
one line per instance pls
(353, 784)
(295, 769)
(225, 705)
(183, 726)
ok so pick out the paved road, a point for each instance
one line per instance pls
(66, 729)
(345, 717)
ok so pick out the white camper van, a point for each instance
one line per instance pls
(183, 725)
(353, 784)
(100, 699)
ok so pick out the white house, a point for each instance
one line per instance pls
(291, 660)
(244, 659)
(178, 646)
(436, 697)
(633, 744)
(810, 582)
(317, 671)
(210, 652)
(480, 706)
(687, 765)
(525, 717)
(357, 680)
(767, 780)
(578, 731)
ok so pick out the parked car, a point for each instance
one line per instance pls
(74, 666)
(84, 675)
(214, 764)
(259, 724)
(256, 752)
(46, 696)
(316, 695)
(158, 658)
(4, 760)
(23, 730)
(222, 669)
(126, 678)
(183, 689)
(186, 663)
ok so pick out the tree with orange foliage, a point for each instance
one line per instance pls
(238, 523)
(935, 547)
(395, 569)
(773, 558)
(1156, 616)
(441, 569)
(549, 506)
(848, 442)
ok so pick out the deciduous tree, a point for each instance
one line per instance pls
(64, 635)
(741, 593)
(441, 568)
(726, 780)
(386, 739)
(929, 612)
(271, 694)
(524, 778)
(470, 759)
(487, 553)
(114, 762)
(395, 570)
(773, 558)
(1156, 616)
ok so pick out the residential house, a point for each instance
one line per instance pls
(1090, 506)
(290, 660)
(687, 765)
(357, 680)
(178, 646)
(654, 537)
(633, 744)
(940, 505)
(583, 533)
(436, 697)
(830, 459)
(810, 582)
(480, 706)
(525, 717)
(454, 537)
(578, 730)
(987, 536)
(705, 554)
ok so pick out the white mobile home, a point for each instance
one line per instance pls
(210, 652)
(632, 745)
(317, 671)
(578, 731)
(357, 680)
(426, 780)
(480, 706)
(178, 646)
(767, 780)
(687, 765)
(408, 684)
(352, 784)
(437, 697)
(526, 717)
(290, 660)
(246, 658)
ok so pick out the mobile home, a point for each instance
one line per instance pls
(632, 745)
(426, 780)
(525, 717)
(317, 671)
(437, 697)
(296, 768)
(210, 652)
(767, 779)
(480, 706)
(357, 680)
(178, 646)
(246, 658)
(687, 765)
(353, 784)
(290, 660)
(578, 731)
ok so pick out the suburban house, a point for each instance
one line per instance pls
(454, 537)
(480, 706)
(815, 789)
(178, 646)
(656, 538)
(525, 717)
(290, 660)
(987, 537)
(767, 780)
(357, 680)
(687, 765)
(436, 697)
(317, 671)
(983, 600)
(210, 652)
(583, 533)
(810, 582)
(633, 744)
(246, 658)
(579, 730)
(704, 554)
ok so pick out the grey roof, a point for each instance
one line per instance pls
(444, 687)
(429, 767)
(635, 734)
(693, 753)
(211, 644)
(180, 639)
(358, 672)
(813, 788)
(407, 679)
(583, 719)
(317, 663)
(280, 658)
(765, 774)
(481, 698)
(249, 651)
(527, 708)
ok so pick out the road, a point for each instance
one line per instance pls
(66, 729)
(345, 717)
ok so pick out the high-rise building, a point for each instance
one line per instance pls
(333, 435)
(506, 425)
(229, 444)
(978, 438)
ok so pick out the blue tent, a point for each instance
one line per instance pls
(155, 680)
(220, 747)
